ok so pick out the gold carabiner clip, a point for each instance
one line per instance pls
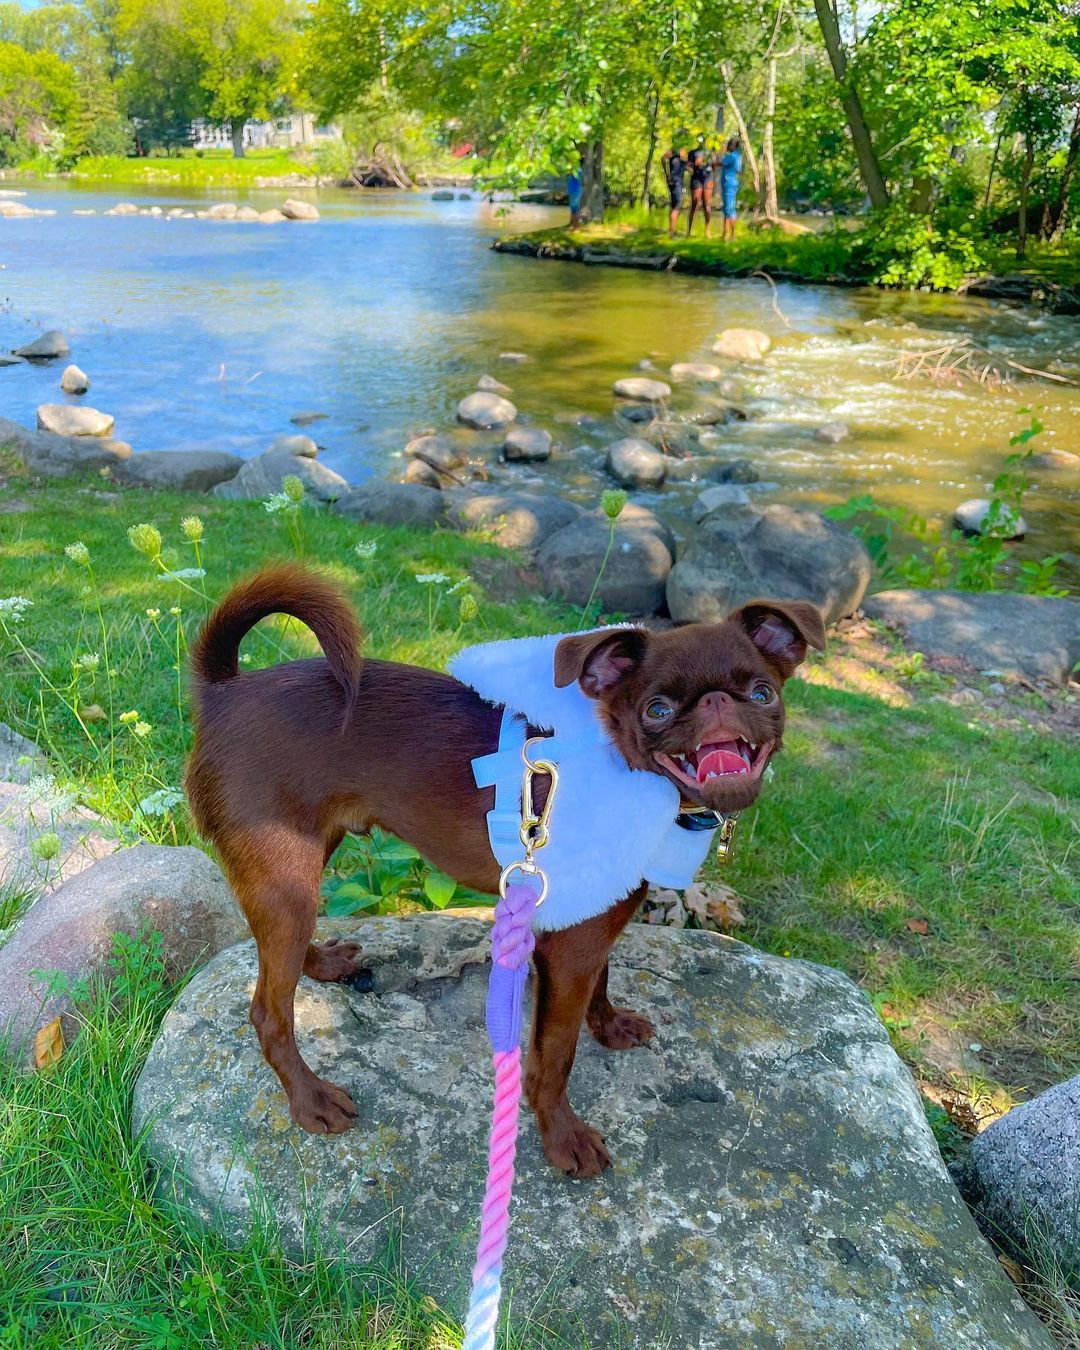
(534, 825)
(725, 845)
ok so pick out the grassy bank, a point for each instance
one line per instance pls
(920, 835)
(845, 253)
(209, 168)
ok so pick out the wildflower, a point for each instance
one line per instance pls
(43, 790)
(174, 610)
(146, 539)
(45, 847)
(468, 609)
(366, 549)
(127, 717)
(459, 585)
(14, 607)
(142, 729)
(245, 660)
(89, 662)
(78, 553)
(612, 502)
(277, 501)
(293, 488)
(192, 528)
(432, 578)
(184, 574)
(161, 802)
(153, 615)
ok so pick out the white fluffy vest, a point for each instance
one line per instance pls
(611, 826)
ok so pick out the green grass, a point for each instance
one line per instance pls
(209, 169)
(893, 803)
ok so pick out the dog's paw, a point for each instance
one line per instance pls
(622, 1029)
(321, 1107)
(575, 1148)
(337, 959)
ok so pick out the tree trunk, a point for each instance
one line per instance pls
(236, 127)
(1025, 185)
(653, 113)
(744, 135)
(768, 161)
(993, 168)
(592, 179)
(922, 191)
(869, 167)
(1061, 206)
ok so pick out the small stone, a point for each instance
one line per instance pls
(1053, 458)
(486, 411)
(973, 518)
(832, 433)
(123, 209)
(513, 358)
(527, 445)
(20, 759)
(66, 420)
(416, 471)
(305, 419)
(742, 344)
(696, 370)
(490, 385)
(222, 211)
(247, 213)
(293, 444)
(716, 498)
(442, 195)
(641, 390)
(44, 348)
(74, 381)
(635, 464)
(25, 815)
(292, 209)
(271, 217)
(155, 211)
(438, 451)
(997, 689)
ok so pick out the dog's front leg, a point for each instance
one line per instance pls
(569, 965)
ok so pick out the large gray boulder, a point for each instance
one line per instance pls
(378, 502)
(486, 411)
(740, 553)
(635, 464)
(636, 571)
(263, 475)
(1022, 1174)
(292, 209)
(36, 812)
(775, 1183)
(179, 470)
(46, 347)
(1033, 635)
(438, 451)
(521, 520)
(49, 456)
(177, 892)
(69, 419)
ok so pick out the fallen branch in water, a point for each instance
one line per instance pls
(775, 300)
(960, 361)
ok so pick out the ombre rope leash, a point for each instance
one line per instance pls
(512, 944)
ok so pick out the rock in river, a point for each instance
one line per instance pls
(635, 464)
(527, 445)
(263, 475)
(974, 517)
(51, 456)
(438, 451)
(775, 1183)
(696, 370)
(486, 411)
(742, 344)
(292, 209)
(44, 348)
(74, 381)
(641, 390)
(65, 419)
(740, 553)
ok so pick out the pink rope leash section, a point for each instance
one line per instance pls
(511, 946)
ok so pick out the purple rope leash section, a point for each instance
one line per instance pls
(511, 946)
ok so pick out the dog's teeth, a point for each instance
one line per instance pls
(710, 776)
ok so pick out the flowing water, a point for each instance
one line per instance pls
(383, 315)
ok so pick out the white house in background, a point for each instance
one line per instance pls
(285, 133)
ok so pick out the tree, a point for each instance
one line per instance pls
(37, 95)
(869, 168)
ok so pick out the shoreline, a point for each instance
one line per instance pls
(560, 246)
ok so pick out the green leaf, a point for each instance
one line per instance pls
(348, 898)
(439, 889)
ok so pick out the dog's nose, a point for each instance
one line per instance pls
(717, 701)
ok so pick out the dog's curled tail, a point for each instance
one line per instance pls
(282, 589)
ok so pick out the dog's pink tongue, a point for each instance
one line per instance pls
(724, 757)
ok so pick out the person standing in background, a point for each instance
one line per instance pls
(730, 169)
(674, 162)
(700, 189)
(573, 195)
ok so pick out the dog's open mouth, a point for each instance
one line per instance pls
(717, 759)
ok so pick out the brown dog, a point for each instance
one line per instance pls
(289, 759)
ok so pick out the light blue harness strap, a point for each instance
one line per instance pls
(503, 770)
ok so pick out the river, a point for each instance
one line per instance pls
(384, 313)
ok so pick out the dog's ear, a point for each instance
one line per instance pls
(598, 661)
(782, 630)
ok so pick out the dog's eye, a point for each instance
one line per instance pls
(762, 693)
(658, 710)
